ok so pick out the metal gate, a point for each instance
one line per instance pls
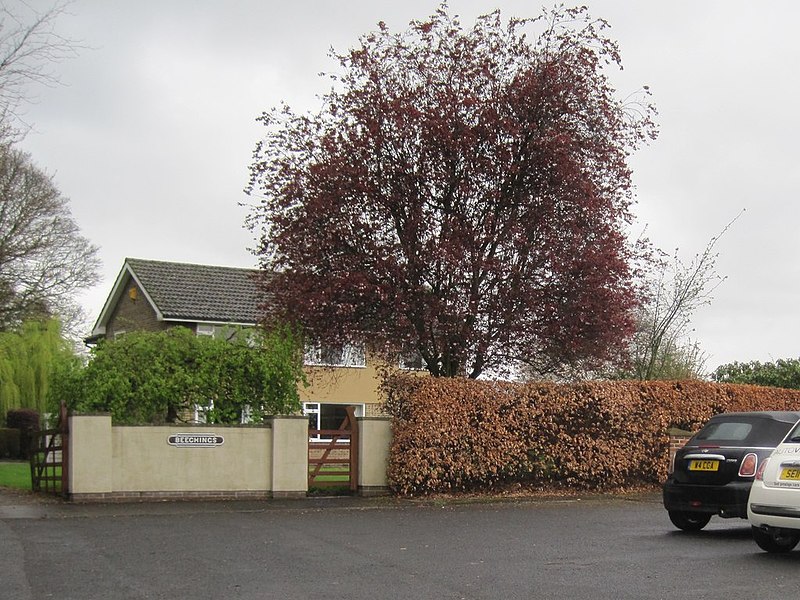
(333, 463)
(48, 454)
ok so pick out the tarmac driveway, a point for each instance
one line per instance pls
(589, 547)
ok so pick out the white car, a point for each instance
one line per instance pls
(773, 508)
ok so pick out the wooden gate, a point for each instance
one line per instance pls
(333, 463)
(49, 469)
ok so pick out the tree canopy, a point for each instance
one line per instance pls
(29, 356)
(783, 373)
(462, 194)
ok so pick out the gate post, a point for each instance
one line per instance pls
(374, 442)
(289, 456)
(90, 456)
(63, 425)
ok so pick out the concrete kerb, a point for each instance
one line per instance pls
(17, 504)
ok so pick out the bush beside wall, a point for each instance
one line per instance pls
(26, 421)
(22, 418)
(453, 435)
(9, 443)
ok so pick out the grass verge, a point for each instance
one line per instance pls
(15, 475)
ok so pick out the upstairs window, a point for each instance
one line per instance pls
(207, 329)
(347, 355)
(222, 331)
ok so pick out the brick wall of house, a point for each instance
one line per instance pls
(133, 312)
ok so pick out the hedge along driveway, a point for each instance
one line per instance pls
(455, 435)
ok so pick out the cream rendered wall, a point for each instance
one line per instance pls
(341, 385)
(123, 461)
(89, 448)
(143, 461)
(374, 443)
(347, 385)
(289, 456)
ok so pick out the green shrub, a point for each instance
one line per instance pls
(156, 377)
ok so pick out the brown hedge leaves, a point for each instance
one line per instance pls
(455, 435)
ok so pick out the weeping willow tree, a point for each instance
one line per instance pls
(29, 356)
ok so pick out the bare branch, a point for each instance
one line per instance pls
(44, 260)
(675, 291)
(29, 47)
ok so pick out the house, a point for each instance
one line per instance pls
(150, 295)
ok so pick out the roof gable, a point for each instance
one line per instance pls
(189, 292)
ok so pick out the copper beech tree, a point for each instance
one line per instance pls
(462, 194)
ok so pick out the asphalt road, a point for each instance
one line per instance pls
(601, 548)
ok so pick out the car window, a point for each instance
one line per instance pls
(794, 436)
(742, 431)
(725, 431)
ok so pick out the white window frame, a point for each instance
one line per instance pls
(200, 412)
(215, 330)
(315, 408)
(350, 355)
(205, 329)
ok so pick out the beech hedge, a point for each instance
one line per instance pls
(458, 435)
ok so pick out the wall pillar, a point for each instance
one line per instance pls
(89, 454)
(677, 440)
(289, 456)
(374, 442)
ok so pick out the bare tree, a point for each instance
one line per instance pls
(661, 348)
(29, 47)
(43, 258)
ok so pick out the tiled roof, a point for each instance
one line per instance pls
(191, 292)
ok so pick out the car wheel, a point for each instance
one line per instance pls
(689, 521)
(776, 542)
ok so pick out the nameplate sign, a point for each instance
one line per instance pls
(195, 440)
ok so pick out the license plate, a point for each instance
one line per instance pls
(790, 474)
(704, 465)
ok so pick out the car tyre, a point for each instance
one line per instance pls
(775, 542)
(689, 521)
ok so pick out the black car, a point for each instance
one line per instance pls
(713, 472)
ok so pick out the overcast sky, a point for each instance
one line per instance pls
(151, 133)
